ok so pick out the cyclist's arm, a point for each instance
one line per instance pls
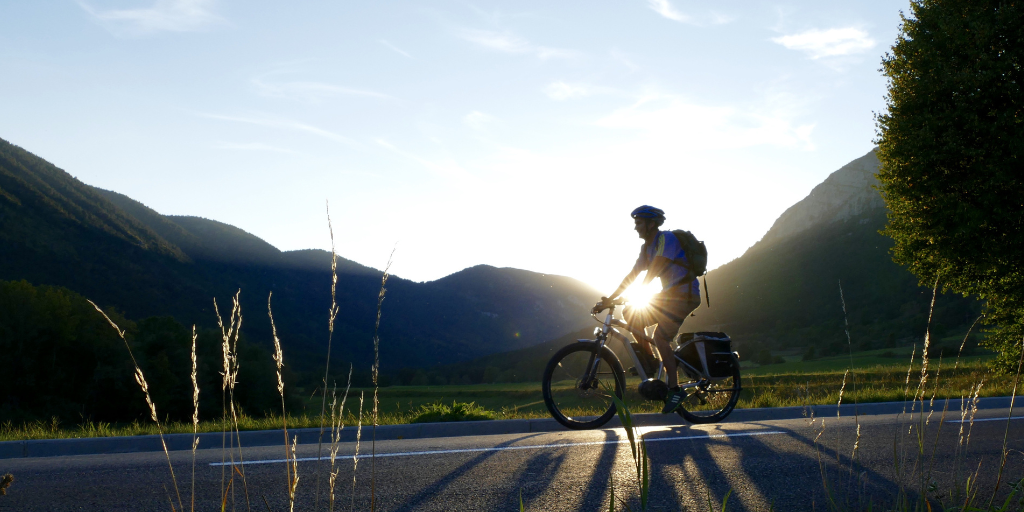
(659, 263)
(638, 267)
(628, 280)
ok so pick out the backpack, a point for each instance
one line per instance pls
(696, 253)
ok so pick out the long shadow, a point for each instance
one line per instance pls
(601, 478)
(440, 485)
(787, 481)
(541, 468)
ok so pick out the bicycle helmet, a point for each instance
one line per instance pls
(648, 212)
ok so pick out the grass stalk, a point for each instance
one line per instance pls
(195, 416)
(1006, 433)
(229, 350)
(355, 455)
(290, 479)
(141, 380)
(336, 425)
(964, 343)
(5, 482)
(332, 314)
(637, 446)
(375, 374)
(294, 484)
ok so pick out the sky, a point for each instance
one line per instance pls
(513, 134)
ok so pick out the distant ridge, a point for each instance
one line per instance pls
(784, 292)
(785, 289)
(56, 230)
(844, 194)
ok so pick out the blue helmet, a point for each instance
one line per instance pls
(648, 212)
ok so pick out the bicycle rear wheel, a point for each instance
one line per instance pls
(714, 400)
(573, 399)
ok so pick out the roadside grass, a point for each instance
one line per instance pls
(768, 386)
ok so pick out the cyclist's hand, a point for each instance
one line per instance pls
(600, 306)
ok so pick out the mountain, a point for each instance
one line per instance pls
(785, 290)
(56, 230)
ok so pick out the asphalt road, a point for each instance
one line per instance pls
(786, 464)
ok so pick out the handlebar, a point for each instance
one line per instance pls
(606, 303)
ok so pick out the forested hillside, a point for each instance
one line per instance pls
(785, 290)
(61, 359)
(55, 230)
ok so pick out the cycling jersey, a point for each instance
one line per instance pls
(656, 259)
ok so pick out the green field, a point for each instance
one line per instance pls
(877, 376)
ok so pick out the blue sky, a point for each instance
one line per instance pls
(514, 134)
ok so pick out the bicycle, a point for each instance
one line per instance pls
(579, 378)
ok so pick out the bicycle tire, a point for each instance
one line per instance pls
(720, 405)
(565, 366)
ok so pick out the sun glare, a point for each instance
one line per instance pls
(640, 294)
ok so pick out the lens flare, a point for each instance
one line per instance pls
(640, 294)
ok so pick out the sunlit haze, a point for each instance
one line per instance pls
(515, 134)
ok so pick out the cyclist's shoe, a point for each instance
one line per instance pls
(675, 397)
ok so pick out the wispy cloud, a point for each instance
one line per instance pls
(309, 91)
(478, 120)
(395, 49)
(445, 168)
(828, 43)
(623, 58)
(511, 43)
(664, 8)
(675, 122)
(560, 91)
(162, 16)
(283, 124)
(703, 18)
(250, 146)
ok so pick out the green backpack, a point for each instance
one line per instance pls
(696, 258)
(696, 253)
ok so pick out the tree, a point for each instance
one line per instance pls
(951, 144)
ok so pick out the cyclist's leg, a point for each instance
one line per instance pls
(638, 319)
(671, 310)
(662, 337)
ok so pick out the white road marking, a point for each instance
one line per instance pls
(986, 419)
(505, 448)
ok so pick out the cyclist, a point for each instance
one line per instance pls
(661, 256)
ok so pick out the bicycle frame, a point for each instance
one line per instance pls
(609, 328)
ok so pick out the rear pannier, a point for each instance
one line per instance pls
(709, 352)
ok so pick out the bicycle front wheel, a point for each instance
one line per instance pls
(712, 401)
(577, 398)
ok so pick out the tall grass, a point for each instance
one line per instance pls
(914, 453)
(140, 378)
(195, 416)
(336, 426)
(231, 437)
(332, 314)
(5, 482)
(290, 468)
(638, 450)
(375, 374)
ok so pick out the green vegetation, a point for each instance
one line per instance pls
(66, 365)
(784, 295)
(769, 386)
(951, 145)
(457, 411)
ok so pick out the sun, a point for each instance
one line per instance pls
(640, 294)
